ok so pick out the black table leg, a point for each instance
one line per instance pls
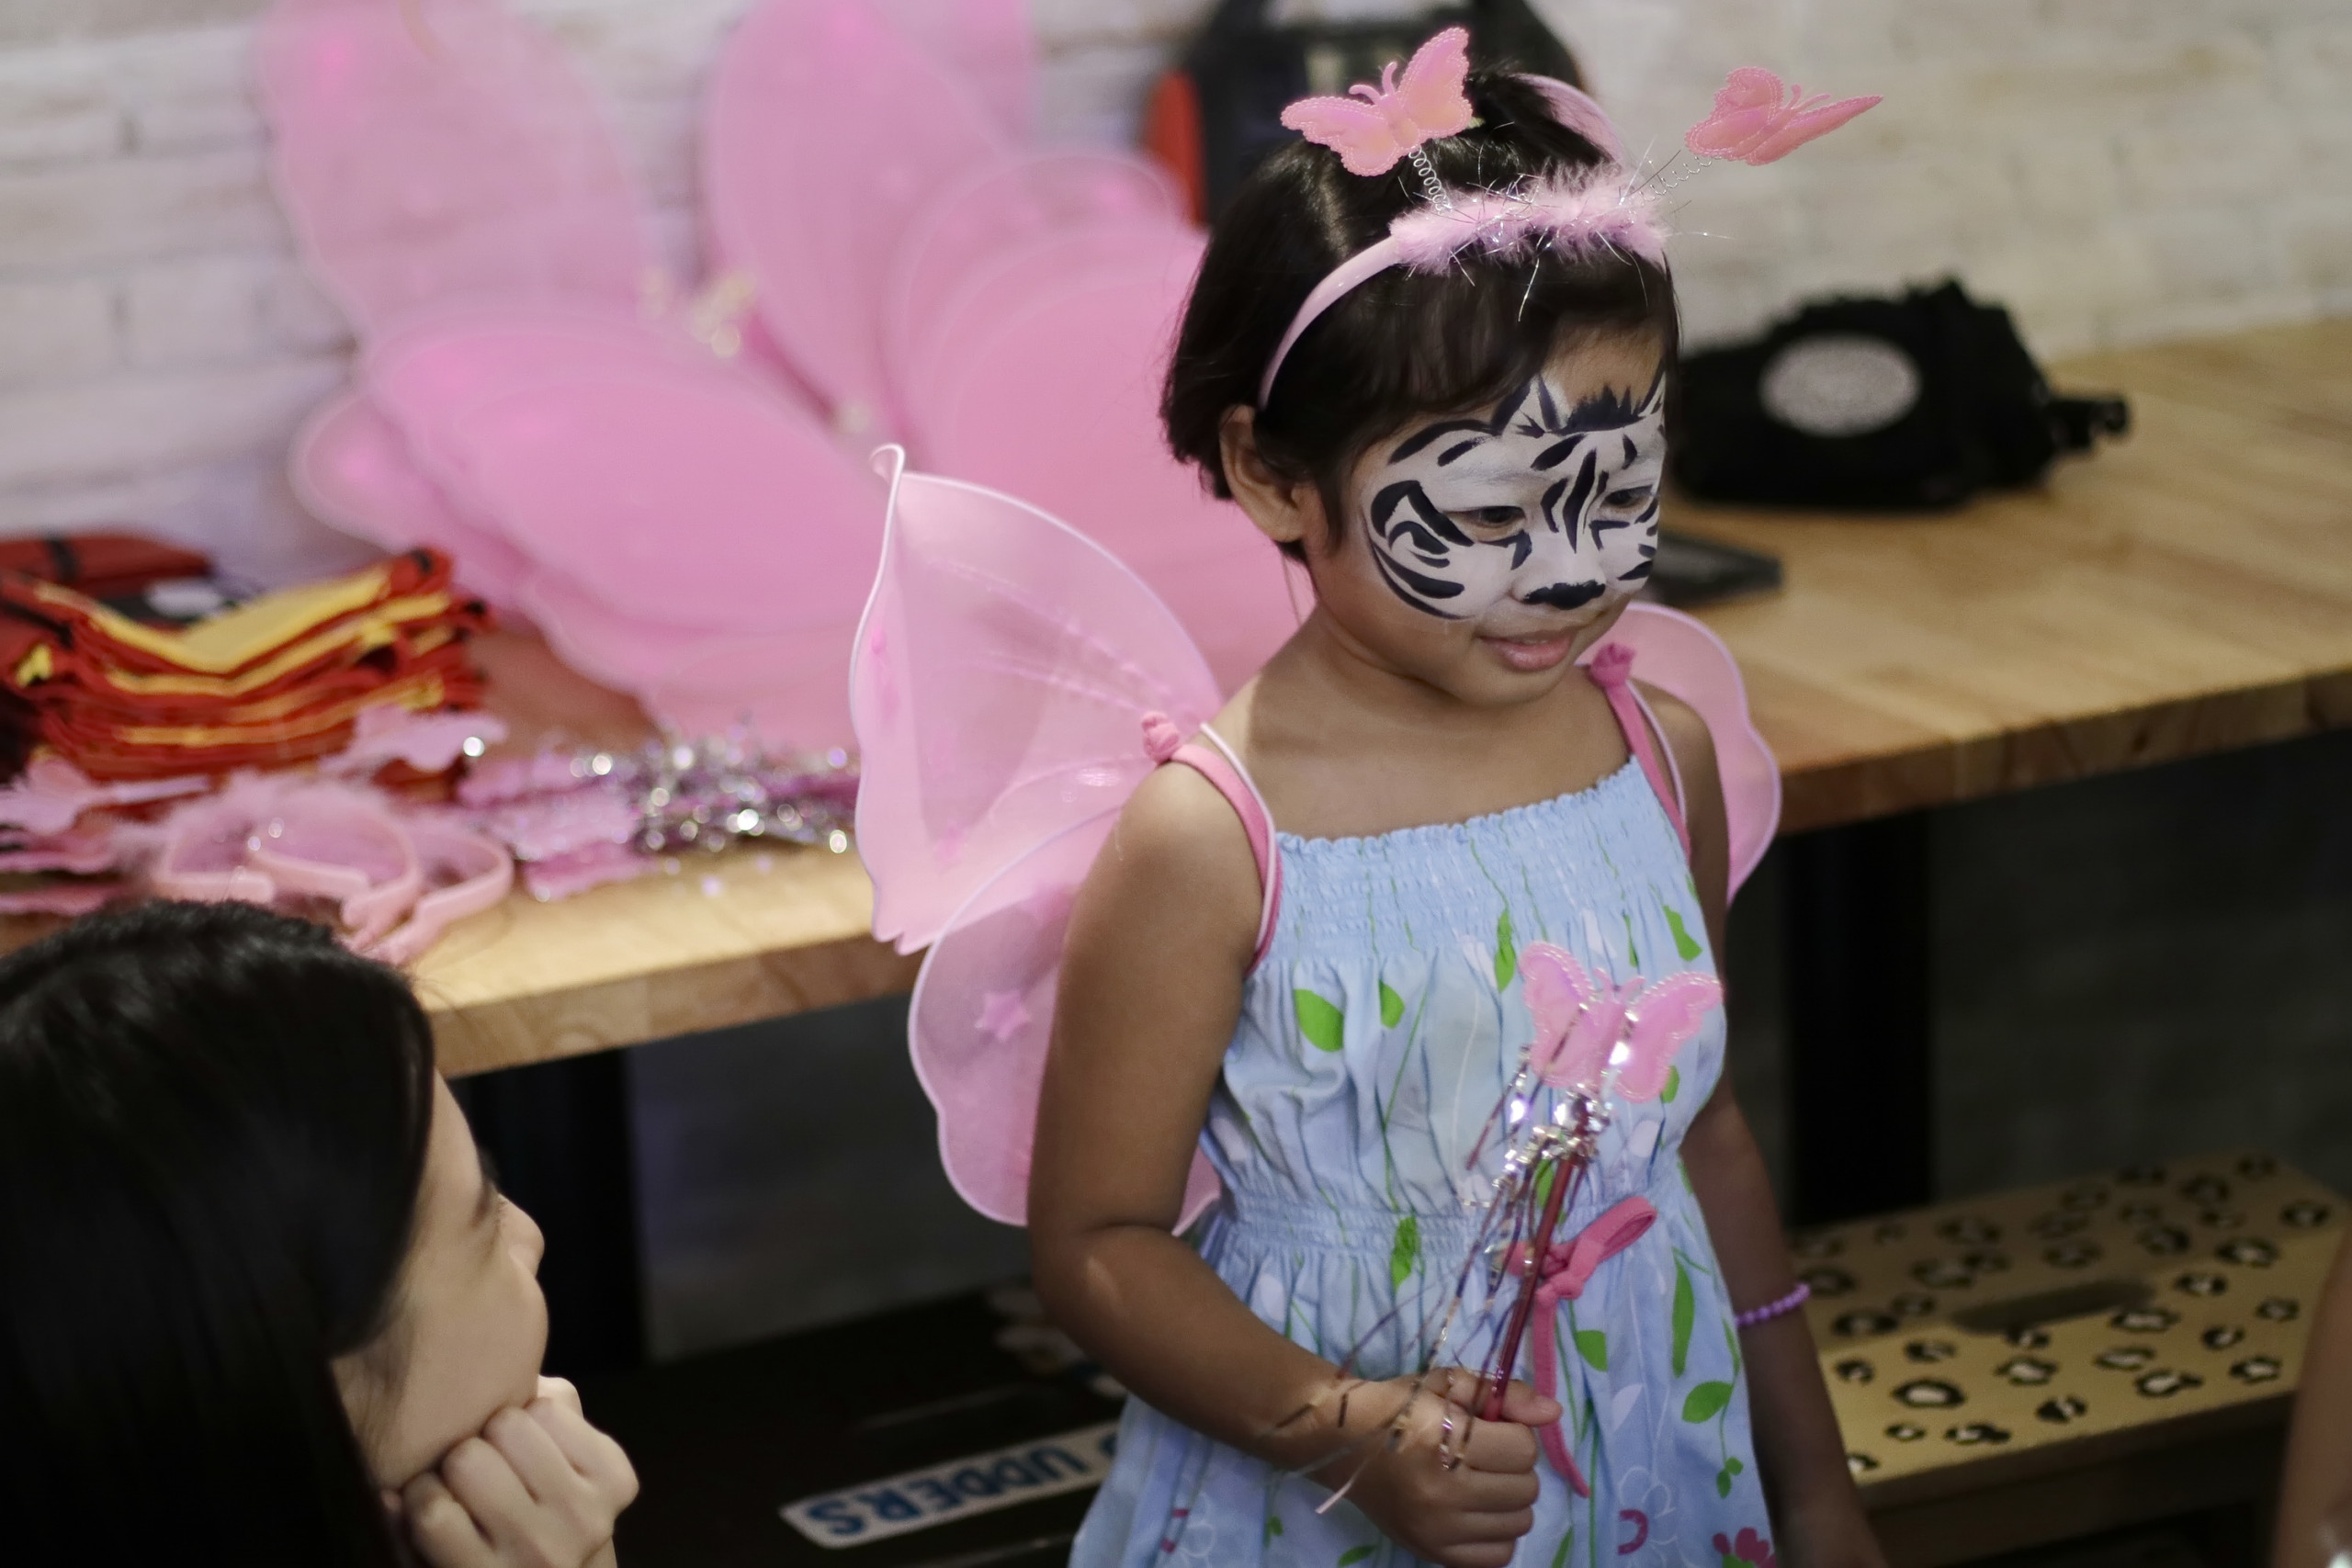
(1861, 1070)
(557, 1134)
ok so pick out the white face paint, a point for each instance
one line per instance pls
(1548, 503)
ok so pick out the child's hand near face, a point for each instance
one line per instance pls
(539, 1488)
(1456, 1491)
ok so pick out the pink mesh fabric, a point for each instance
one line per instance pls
(350, 467)
(1676, 654)
(1011, 201)
(1000, 679)
(826, 130)
(429, 150)
(1012, 684)
(1018, 390)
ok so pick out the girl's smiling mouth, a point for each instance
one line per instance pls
(1531, 655)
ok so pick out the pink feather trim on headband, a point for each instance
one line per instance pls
(1563, 214)
(1756, 120)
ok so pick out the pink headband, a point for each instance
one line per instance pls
(1754, 120)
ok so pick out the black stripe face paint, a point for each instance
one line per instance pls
(1549, 501)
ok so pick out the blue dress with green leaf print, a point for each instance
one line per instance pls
(1376, 1037)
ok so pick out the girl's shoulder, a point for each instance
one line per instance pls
(1179, 840)
(1683, 730)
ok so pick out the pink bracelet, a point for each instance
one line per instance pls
(1770, 1310)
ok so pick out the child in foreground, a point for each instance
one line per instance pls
(1463, 441)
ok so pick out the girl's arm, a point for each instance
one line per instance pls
(1798, 1446)
(1159, 945)
(1150, 988)
(2318, 1482)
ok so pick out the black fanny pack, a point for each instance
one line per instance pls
(1911, 402)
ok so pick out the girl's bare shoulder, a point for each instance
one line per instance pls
(1684, 730)
(1178, 866)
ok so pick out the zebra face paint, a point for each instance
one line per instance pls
(1549, 503)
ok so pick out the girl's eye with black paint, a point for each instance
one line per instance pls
(1638, 496)
(1493, 516)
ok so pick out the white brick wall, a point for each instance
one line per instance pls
(2116, 170)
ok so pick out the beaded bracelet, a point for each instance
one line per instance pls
(1772, 1310)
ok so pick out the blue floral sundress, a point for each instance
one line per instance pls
(1376, 1037)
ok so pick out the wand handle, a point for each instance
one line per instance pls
(1524, 1307)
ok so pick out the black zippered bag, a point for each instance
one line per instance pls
(1912, 403)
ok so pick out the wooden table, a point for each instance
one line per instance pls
(2187, 591)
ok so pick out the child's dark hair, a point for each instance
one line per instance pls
(1402, 344)
(212, 1137)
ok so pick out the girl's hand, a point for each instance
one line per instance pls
(1448, 1487)
(539, 1488)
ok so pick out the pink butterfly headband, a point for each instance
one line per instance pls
(1754, 120)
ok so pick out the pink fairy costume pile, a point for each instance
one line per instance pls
(390, 875)
(672, 489)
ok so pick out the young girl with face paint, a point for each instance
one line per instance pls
(1467, 460)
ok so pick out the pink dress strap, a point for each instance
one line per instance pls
(1216, 763)
(1613, 668)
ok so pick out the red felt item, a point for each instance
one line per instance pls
(103, 565)
(279, 679)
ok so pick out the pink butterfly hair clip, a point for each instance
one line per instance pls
(1372, 128)
(1758, 119)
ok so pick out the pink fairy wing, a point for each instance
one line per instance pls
(1003, 206)
(789, 684)
(693, 497)
(603, 642)
(986, 44)
(430, 373)
(1557, 988)
(1052, 395)
(1000, 285)
(1678, 655)
(425, 377)
(999, 684)
(1359, 133)
(427, 150)
(350, 467)
(826, 131)
(1664, 1016)
(1804, 126)
(982, 1015)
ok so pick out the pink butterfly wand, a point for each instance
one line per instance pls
(1592, 1036)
